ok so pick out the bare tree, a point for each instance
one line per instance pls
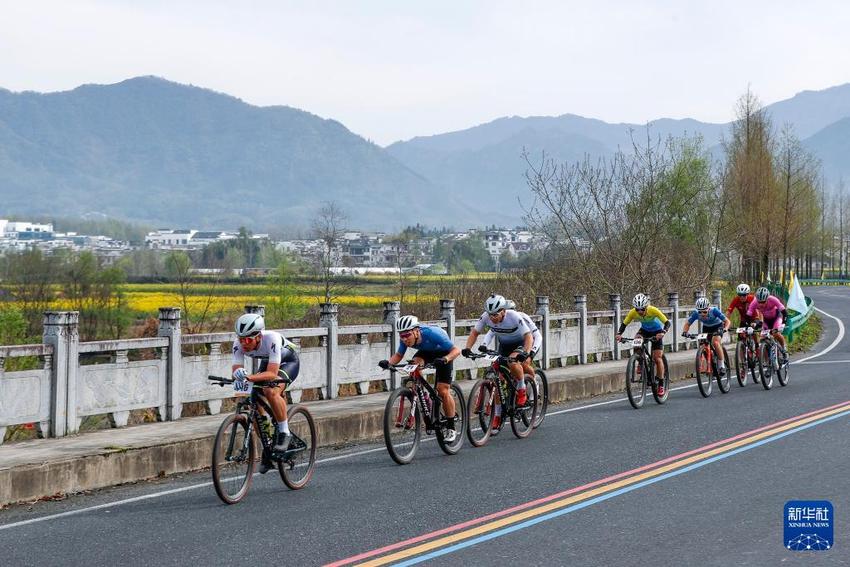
(329, 226)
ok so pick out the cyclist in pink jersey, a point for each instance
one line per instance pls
(772, 312)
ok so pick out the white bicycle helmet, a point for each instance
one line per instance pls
(743, 289)
(249, 324)
(702, 303)
(407, 323)
(495, 303)
(762, 294)
(640, 301)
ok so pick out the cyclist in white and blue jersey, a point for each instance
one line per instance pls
(516, 340)
(432, 345)
(712, 320)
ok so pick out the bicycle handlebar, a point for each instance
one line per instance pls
(222, 381)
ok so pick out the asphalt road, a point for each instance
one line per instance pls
(726, 510)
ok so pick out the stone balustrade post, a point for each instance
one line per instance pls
(447, 313)
(673, 302)
(581, 307)
(329, 318)
(170, 327)
(543, 310)
(617, 307)
(392, 311)
(61, 331)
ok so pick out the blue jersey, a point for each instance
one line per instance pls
(714, 317)
(433, 340)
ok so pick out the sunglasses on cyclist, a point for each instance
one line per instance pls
(406, 335)
(250, 339)
(703, 311)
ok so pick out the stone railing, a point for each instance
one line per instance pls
(77, 379)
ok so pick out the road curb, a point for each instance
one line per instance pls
(111, 467)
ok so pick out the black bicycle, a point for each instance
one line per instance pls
(416, 403)
(640, 371)
(482, 401)
(746, 355)
(235, 449)
(771, 361)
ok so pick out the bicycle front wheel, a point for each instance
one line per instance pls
(402, 425)
(480, 409)
(703, 372)
(296, 467)
(522, 418)
(233, 458)
(782, 371)
(741, 366)
(635, 381)
(460, 421)
(723, 381)
(543, 396)
(665, 381)
(765, 365)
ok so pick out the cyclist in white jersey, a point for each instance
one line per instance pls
(535, 332)
(516, 339)
(278, 359)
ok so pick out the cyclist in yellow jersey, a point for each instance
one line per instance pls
(653, 326)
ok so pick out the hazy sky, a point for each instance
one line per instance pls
(392, 70)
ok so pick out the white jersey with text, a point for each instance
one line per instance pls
(270, 348)
(513, 327)
(535, 332)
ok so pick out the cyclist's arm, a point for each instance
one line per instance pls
(528, 341)
(628, 319)
(270, 373)
(395, 358)
(453, 354)
(473, 336)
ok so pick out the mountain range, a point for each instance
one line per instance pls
(177, 155)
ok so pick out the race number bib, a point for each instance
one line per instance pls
(242, 387)
(637, 342)
(702, 336)
(411, 368)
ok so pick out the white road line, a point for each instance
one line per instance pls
(358, 453)
(827, 362)
(834, 343)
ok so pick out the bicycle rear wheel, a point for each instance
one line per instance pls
(542, 396)
(703, 372)
(765, 365)
(480, 409)
(460, 422)
(635, 381)
(402, 425)
(522, 418)
(296, 468)
(724, 382)
(233, 457)
(741, 366)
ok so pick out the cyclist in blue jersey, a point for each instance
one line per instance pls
(432, 345)
(712, 320)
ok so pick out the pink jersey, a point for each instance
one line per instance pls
(770, 310)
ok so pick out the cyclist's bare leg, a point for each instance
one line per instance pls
(718, 349)
(444, 391)
(659, 363)
(277, 401)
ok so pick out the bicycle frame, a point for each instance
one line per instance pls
(420, 387)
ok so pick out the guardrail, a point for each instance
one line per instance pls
(76, 379)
